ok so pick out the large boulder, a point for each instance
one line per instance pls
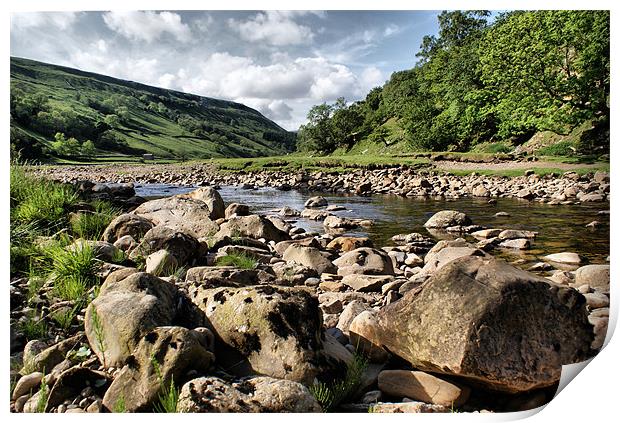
(127, 224)
(181, 245)
(253, 395)
(367, 261)
(595, 275)
(489, 322)
(183, 214)
(211, 198)
(447, 218)
(129, 304)
(310, 257)
(164, 354)
(273, 331)
(252, 226)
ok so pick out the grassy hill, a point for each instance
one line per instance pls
(125, 119)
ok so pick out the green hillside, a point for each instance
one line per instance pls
(59, 113)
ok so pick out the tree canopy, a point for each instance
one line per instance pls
(526, 71)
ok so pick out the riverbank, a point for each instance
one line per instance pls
(413, 179)
(190, 297)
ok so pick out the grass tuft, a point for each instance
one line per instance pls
(33, 326)
(242, 261)
(330, 396)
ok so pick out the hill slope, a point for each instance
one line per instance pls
(124, 118)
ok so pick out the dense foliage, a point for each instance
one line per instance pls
(58, 112)
(481, 81)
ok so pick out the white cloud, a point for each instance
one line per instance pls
(273, 27)
(147, 26)
(59, 20)
(391, 29)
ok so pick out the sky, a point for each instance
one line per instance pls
(278, 62)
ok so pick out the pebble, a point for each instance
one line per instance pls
(596, 300)
(27, 384)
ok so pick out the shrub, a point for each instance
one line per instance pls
(561, 148)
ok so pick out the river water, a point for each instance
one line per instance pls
(560, 227)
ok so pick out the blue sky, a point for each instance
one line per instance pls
(279, 62)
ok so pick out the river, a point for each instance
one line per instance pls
(560, 227)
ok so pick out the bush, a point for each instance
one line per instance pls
(562, 148)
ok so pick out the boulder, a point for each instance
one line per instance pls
(128, 306)
(253, 395)
(26, 384)
(310, 257)
(211, 198)
(48, 358)
(439, 257)
(127, 224)
(349, 243)
(423, 387)
(519, 244)
(162, 355)
(350, 312)
(215, 277)
(514, 234)
(282, 246)
(252, 226)
(336, 222)
(274, 331)
(317, 201)
(488, 322)
(367, 261)
(446, 218)
(362, 331)
(315, 214)
(486, 233)
(181, 245)
(187, 215)
(366, 283)
(564, 258)
(595, 275)
(236, 209)
(161, 263)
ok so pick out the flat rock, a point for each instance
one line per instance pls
(423, 387)
(366, 283)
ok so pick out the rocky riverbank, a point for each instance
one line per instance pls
(247, 313)
(568, 188)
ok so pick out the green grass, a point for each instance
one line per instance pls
(229, 129)
(89, 225)
(332, 395)
(169, 397)
(73, 271)
(39, 202)
(43, 395)
(561, 148)
(242, 261)
(64, 318)
(493, 147)
(33, 326)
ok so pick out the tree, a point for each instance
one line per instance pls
(88, 148)
(112, 120)
(549, 69)
(317, 134)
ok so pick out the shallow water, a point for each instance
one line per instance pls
(560, 227)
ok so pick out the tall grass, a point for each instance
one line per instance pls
(332, 395)
(242, 261)
(169, 396)
(91, 225)
(73, 271)
(39, 201)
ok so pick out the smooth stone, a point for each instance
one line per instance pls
(422, 386)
